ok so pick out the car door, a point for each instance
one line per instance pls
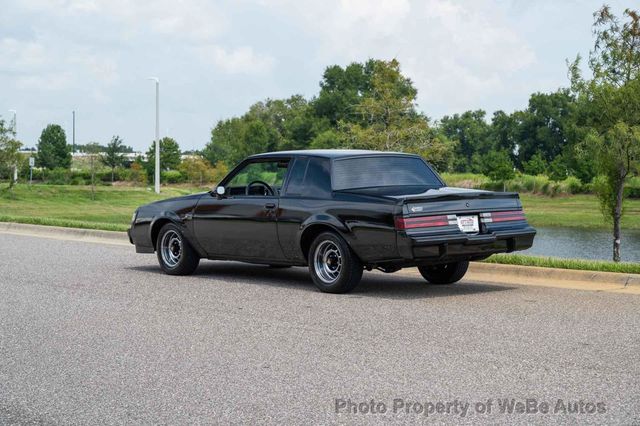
(241, 224)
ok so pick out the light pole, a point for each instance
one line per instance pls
(157, 171)
(73, 144)
(15, 135)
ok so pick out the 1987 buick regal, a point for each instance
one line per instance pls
(337, 211)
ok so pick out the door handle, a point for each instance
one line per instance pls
(270, 205)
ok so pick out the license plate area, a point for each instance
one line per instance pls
(468, 224)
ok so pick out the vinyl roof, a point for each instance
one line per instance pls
(327, 153)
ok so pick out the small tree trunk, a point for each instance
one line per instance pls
(617, 215)
(113, 172)
(93, 180)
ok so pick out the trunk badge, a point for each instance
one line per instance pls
(416, 209)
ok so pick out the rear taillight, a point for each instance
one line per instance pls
(424, 221)
(506, 216)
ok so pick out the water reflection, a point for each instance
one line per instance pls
(584, 244)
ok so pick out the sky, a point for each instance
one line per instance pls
(216, 58)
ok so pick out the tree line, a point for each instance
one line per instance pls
(589, 130)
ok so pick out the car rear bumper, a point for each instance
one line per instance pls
(461, 246)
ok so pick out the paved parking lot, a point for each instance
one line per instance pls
(93, 333)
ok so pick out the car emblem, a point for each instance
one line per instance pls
(467, 204)
(416, 209)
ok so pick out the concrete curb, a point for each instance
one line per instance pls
(93, 235)
(489, 272)
(548, 277)
(555, 274)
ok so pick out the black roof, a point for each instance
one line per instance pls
(327, 153)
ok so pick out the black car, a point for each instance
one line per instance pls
(337, 211)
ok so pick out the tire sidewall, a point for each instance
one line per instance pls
(186, 263)
(351, 267)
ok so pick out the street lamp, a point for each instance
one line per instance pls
(157, 174)
(15, 135)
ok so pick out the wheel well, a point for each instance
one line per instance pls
(155, 230)
(310, 234)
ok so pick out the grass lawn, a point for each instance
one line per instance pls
(69, 205)
(72, 206)
(579, 211)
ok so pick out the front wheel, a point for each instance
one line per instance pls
(333, 266)
(447, 273)
(175, 254)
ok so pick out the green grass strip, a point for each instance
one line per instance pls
(575, 264)
(67, 223)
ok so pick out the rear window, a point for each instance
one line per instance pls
(382, 171)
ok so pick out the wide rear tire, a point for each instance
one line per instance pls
(444, 274)
(334, 267)
(175, 254)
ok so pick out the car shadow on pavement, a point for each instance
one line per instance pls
(378, 285)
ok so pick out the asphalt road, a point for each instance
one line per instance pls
(94, 333)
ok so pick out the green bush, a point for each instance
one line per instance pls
(171, 176)
(571, 185)
(58, 176)
(78, 180)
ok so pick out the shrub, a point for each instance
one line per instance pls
(170, 176)
(136, 174)
(571, 185)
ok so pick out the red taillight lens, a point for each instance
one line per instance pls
(506, 216)
(423, 222)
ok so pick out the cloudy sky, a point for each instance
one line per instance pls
(215, 58)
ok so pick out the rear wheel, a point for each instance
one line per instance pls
(333, 266)
(175, 254)
(447, 273)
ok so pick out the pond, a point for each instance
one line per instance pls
(580, 243)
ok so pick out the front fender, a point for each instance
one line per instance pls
(181, 221)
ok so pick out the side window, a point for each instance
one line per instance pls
(317, 182)
(296, 178)
(251, 178)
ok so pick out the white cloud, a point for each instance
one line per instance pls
(242, 60)
(20, 55)
(196, 20)
(461, 49)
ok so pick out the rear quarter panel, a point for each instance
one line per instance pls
(366, 223)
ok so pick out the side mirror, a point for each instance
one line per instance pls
(220, 190)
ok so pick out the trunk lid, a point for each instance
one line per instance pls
(457, 200)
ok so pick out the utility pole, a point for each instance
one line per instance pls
(73, 145)
(15, 135)
(157, 167)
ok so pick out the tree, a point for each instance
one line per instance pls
(544, 126)
(93, 151)
(536, 165)
(389, 120)
(9, 150)
(497, 165)
(113, 155)
(609, 108)
(197, 170)
(52, 148)
(341, 89)
(169, 155)
(472, 133)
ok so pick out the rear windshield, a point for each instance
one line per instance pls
(382, 171)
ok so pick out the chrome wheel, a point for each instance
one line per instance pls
(171, 248)
(327, 261)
